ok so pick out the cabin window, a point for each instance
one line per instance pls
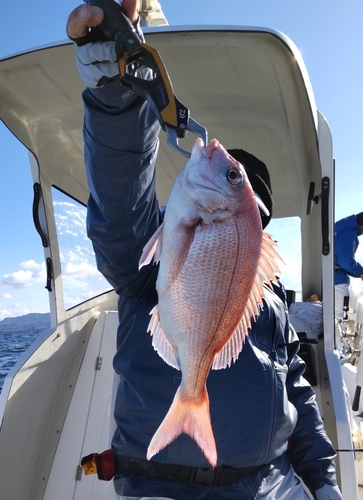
(80, 277)
(286, 232)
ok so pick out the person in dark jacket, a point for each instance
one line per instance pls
(264, 415)
(346, 232)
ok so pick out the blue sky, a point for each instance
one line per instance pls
(329, 36)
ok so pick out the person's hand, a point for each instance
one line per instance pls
(82, 19)
(328, 492)
(361, 277)
(85, 17)
(97, 61)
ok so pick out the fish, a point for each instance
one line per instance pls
(214, 259)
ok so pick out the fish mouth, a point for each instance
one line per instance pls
(208, 150)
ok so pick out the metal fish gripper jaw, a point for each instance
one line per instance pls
(194, 127)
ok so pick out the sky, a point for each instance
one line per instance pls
(328, 34)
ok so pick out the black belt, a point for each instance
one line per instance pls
(218, 476)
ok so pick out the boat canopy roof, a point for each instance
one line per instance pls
(247, 86)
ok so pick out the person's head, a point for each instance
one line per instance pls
(359, 218)
(259, 178)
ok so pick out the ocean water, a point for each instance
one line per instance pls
(13, 343)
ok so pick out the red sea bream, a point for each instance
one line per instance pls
(214, 258)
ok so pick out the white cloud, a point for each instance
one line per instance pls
(32, 265)
(18, 279)
(4, 313)
(81, 271)
(31, 272)
(14, 311)
(6, 296)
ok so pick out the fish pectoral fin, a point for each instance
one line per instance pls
(152, 249)
(267, 268)
(183, 240)
(159, 341)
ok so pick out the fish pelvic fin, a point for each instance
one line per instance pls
(152, 249)
(190, 417)
(266, 272)
(159, 341)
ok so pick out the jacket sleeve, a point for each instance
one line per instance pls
(345, 248)
(121, 144)
(311, 452)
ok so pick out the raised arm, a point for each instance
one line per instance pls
(121, 143)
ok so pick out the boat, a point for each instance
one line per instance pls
(250, 88)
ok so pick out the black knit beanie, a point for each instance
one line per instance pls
(259, 178)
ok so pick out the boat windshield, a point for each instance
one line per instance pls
(80, 277)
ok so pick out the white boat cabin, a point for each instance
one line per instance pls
(249, 87)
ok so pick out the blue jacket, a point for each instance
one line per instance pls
(346, 232)
(260, 406)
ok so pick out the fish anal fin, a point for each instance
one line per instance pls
(159, 341)
(152, 249)
(191, 417)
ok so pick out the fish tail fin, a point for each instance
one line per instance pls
(190, 417)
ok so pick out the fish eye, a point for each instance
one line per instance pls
(234, 176)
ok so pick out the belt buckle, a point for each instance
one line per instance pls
(206, 476)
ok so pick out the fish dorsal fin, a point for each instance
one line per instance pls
(159, 342)
(152, 249)
(266, 270)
